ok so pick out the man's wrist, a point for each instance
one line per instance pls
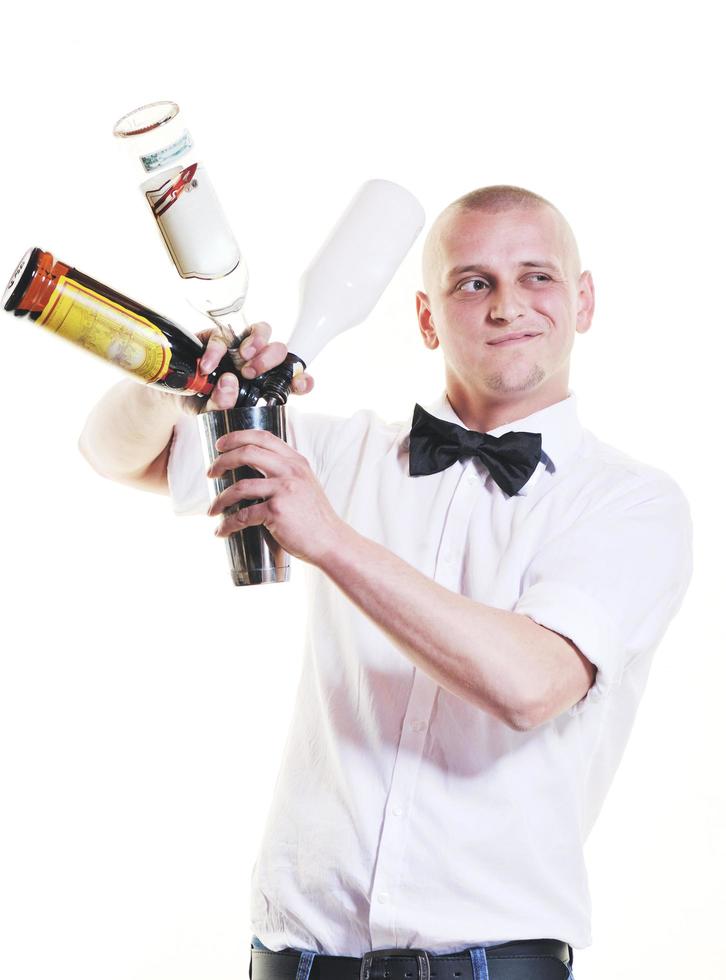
(336, 547)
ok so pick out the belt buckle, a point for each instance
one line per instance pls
(420, 955)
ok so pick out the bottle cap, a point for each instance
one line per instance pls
(20, 279)
(145, 118)
(155, 135)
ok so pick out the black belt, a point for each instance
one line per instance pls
(530, 959)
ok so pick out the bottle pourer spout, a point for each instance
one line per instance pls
(275, 384)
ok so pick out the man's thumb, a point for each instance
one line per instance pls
(224, 394)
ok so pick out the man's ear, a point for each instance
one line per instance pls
(425, 321)
(585, 303)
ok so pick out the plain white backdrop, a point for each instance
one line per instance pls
(144, 701)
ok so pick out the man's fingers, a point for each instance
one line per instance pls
(302, 383)
(265, 462)
(217, 343)
(269, 357)
(257, 355)
(244, 517)
(219, 339)
(256, 437)
(251, 489)
(224, 394)
(253, 343)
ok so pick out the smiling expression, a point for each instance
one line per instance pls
(492, 278)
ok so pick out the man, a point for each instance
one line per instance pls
(482, 622)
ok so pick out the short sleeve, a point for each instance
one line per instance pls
(615, 578)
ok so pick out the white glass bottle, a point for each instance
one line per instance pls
(346, 278)
(187, 211)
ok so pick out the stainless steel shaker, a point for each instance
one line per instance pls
(254, 555)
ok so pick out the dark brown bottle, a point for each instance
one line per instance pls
(112, 326)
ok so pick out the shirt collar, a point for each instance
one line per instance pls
(558, 424)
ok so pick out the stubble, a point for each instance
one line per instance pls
(503, 383)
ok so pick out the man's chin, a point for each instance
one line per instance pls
(514, 382)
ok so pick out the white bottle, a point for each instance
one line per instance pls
(187, 211)
(346, 278)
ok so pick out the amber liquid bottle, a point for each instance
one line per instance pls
(141, 342)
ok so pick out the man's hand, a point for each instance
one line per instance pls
(259, 356)
(295, 509)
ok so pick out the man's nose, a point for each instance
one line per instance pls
(505, 305)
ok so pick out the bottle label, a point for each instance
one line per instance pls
(167, 154)
(111, 331)
(192, 223)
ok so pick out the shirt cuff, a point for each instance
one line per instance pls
(582, 619)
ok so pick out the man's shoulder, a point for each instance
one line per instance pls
(606, 473)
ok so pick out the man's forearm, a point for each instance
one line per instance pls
(128, 429)
(501, 661)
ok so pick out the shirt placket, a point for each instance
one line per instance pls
(389, 878)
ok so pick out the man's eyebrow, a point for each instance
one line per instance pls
(528, 263)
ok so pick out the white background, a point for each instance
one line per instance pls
(144, 701)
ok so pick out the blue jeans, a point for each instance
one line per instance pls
(478, 955)
(303, 967)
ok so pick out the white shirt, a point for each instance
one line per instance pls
(403, 815)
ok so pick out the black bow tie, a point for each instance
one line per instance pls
(435, 444)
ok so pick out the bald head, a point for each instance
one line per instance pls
(493, 200)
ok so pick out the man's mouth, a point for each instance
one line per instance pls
(515, 338)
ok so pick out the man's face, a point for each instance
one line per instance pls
(490, 276)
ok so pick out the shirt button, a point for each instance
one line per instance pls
(397, 811)
(383, 898)
(418, 726)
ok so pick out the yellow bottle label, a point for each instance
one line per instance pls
(111, 331)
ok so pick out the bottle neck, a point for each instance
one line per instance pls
(44, 275)
(235, 328)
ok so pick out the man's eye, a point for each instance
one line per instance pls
(472, 285)
(540, 275)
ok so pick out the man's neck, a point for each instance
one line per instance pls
(484, 415)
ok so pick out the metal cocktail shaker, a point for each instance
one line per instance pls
(254, 555)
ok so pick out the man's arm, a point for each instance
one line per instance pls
(128, 434)
(503, 662)
(127, 437)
